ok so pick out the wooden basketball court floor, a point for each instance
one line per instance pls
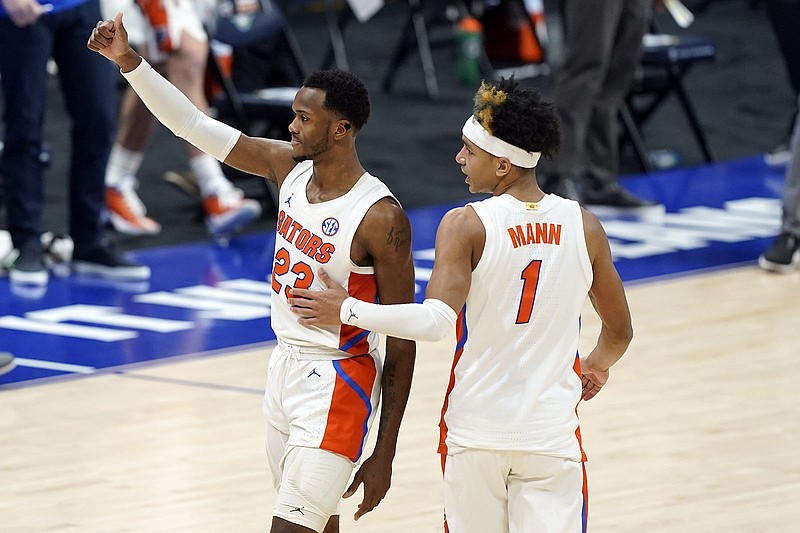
(695, 431)
(112, 427)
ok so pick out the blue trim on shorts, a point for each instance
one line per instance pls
(337, 365)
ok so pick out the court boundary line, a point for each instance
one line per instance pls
(128, 368)
(192, 383)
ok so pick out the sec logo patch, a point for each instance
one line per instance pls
(330, 226)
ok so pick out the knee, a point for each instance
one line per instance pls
(311, 487)
(191, 59)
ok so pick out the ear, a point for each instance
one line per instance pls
(342, 127)
(504, 166)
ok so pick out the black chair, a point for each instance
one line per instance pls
(242, 30)
(665, 62)
(415, 37)
(266, 111)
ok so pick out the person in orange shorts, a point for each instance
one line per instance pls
(170, 34)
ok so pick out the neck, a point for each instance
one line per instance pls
(333, 176)
(521, 184)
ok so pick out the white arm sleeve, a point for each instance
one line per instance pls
(431, 320)
(179, 114)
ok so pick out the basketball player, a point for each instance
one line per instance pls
(324, 383)
(170, 34)
(511, 274)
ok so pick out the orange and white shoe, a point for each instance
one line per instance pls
(127, 213)
(229, 211)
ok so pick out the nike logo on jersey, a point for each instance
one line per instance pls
(539, 233)
(304, 240)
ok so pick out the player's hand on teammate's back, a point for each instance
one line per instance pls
(319, 308)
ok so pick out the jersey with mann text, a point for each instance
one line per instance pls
(313, 236)
(515, 382)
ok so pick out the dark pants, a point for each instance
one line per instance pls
(87, 83)
(784, 15)
(603, 47)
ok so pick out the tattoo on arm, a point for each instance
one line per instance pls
(396, 237)
(389, 409)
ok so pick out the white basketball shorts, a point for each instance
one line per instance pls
(498, 491)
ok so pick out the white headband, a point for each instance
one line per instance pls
(475, 132)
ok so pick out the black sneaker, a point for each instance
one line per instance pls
(105, 262)
(613, 196)
(783, 256)
(28, 268)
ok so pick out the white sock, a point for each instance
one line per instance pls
(122, 163)
(210, 178)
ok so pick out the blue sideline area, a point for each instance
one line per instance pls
(204, 298)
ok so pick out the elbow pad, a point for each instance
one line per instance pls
(432, 320)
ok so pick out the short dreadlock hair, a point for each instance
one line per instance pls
(345, 94)
(519, 116)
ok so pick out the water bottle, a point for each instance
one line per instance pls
(469, 39)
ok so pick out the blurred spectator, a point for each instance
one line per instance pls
(784, 254)
(603, 46)
(30, 35)
(170, 34)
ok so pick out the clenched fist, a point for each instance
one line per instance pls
(110, 39)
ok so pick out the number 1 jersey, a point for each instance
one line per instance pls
(515, 383)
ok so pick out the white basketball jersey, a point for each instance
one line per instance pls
(313, 236)
(515, 382)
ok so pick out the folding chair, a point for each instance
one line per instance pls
(269, 108)
(415, 37)
(336, 23)
(338, 16)
(665, 62)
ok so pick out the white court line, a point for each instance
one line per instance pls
(50, 365)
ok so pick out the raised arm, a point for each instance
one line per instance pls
(385, 237)
(269, 158)
(608, 298)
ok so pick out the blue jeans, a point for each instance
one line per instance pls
(88, 87)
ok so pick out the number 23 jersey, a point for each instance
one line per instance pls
(313, 236)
